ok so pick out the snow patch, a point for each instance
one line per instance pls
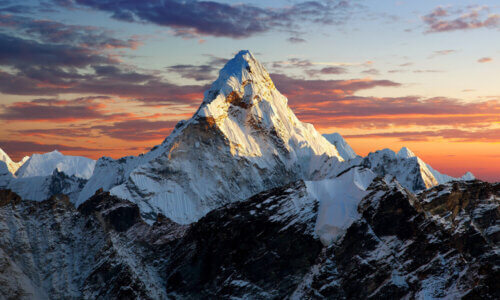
(339, 199)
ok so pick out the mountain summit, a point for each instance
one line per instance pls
(242, 140)
(11, 165)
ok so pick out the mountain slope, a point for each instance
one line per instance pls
(442, 243)
(410, 171)
(242, 140)
(11, 165)
(50, 250)
(45, 164)
(342, 146)
(40, 188)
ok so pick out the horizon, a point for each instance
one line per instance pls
(99, 80)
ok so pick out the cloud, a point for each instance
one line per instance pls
(371, 72)
(20, 148)
(106, 80)
(220, 19)
(334, 103)
(444, 19)
(22, 53)
(485, 59)
(54, 58)
(296, 40)
(137, 130)
(427, 71)
(54, 110)
(196, 72)
(48, 31)
(303, 89)
(293, 62)
(485, 135)
(442, 53)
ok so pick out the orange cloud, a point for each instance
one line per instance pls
(485, 59)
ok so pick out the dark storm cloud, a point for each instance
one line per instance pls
(221, 19)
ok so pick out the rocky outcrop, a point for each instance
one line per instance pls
(51, 250)
(259, 248)
(400, 249)
(440, 243)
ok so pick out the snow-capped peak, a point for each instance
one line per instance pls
(342, 146)
(11, 165)
(244, 104)
(409, 170)
(237, 73)
(468, 176)
(243, 139)
(405, 153)
(45, 164)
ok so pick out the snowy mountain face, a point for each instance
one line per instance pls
(396, 245)
(11, 165)
(50, 250)
(45, 164)
(40, 188)
(342, 146)
(242, 140)
(44, 175)
(409, 170)
(245, 201)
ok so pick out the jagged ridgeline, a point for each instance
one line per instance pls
(243, 139)
(243, 200)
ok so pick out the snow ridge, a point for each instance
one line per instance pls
(342, 146)
(242, 140)
(408, 169)
(11, 165)
(45, 164)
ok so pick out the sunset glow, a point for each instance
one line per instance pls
(87, 80)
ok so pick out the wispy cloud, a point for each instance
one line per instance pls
(486, 135)
(444, 19)
(485, 59)
(442, 53)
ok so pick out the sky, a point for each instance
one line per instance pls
(112, 78)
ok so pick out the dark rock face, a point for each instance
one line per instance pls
(245, 250)
(402, 250)
(59, 183)
(9, 197)
(50, 250)
(440, 243)
(118, 214)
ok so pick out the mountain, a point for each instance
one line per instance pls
(5, 175)
(244, 201)
(50, 250)
(11, 165)
(44, 175)
(342, 146)
(45, 164)
(242, 140)
(394, 245)
(39, 188)
(410, 171)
